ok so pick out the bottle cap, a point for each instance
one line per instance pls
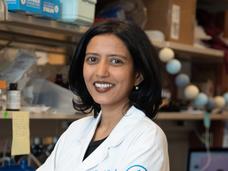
(13, 86)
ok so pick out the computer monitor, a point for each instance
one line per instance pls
(217, 159)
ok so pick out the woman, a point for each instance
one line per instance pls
(115, 73)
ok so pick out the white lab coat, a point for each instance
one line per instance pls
(136, 143)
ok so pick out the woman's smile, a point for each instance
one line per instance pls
(103, 87)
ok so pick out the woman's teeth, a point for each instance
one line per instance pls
(103, 85)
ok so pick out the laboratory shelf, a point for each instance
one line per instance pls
(19, 29)
(161, 116)
(46, 116)
(189, 51)
(190, 116)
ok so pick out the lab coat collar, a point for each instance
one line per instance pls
(85, 140)
(122, 129)
(125, 125)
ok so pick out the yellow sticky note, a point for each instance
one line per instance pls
(21, 133)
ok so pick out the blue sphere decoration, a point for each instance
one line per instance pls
(201, 100)
(173, 66)
(210, 104)
(226, 97)
(182, 80)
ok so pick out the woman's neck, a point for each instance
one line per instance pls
(110, 117)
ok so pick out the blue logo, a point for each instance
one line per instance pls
(136, 168)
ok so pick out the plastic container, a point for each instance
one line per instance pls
(23, 166)
(51, 9)
(78, 11)
(28, 6)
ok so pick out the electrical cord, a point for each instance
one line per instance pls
(36, 161)
(207, 124)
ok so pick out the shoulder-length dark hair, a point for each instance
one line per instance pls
(145, 59)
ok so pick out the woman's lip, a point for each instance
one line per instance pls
(102, 90)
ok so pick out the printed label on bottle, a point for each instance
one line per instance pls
(13, 100)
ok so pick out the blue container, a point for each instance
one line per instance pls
(28, 6)
(51, 9)
(23, 166)
(78, 11)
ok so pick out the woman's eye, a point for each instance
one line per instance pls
(91, 60)
(116, 61)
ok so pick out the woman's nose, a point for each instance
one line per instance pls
(102, 69)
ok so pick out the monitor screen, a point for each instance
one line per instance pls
(215, 160)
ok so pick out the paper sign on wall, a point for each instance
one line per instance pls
(175, 22)
(21, 133)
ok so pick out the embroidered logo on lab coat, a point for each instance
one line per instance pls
(136, 168)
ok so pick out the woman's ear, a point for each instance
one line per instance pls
(139, 78)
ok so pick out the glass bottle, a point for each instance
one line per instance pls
(13, 98)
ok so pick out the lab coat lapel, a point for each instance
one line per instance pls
(85, 140)
(125, 126)
(96, 156)
(101, 153)
(116, 137)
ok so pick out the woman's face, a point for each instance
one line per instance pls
(108, 70)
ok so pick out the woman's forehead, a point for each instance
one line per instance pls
(107, 42)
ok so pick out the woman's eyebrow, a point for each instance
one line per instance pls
(118, 55)
(91, 53)
(109, 55)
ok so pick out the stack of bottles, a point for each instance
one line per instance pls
(41, 148)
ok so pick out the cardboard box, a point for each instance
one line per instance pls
(175, 18)
(56, 59)
(51, 9)
(28, 6)
(79, 12)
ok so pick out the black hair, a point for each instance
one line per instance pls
(145, 60)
